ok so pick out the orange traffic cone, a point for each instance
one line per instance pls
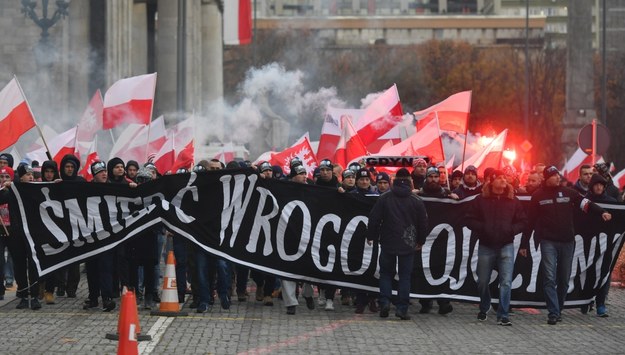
(169, 306)
(128, 332)
(120, 319)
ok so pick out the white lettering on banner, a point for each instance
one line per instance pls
(261, 222)
(579, 259)
(304, 236)
(316, 245)
(466, 240)
(534, 251)
(57, 209)
(518, 280)
(85, 226)
(346, 241)
(234, 205)
(111, 204)
(177, 200)
(427, 249)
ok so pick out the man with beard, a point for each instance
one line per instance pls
(419, 167)
(432, 188)
(533, 182)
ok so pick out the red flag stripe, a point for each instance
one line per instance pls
(16, 123)
(133, 111)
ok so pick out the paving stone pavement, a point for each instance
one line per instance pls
(252, 328)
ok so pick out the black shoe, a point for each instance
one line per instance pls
(504, 321)
(445, 309)
(71, 294)
(559, 319)
(584, 308)
(426, 307)
(482, 316)
(23, 304)
(310, 303)
(290, 310)
(89, 304)
(35, 304)
(108, 305)
(156, 298)
(242, 296)
(373, 306)
(195, 304)
(60, 292)
(552, 320)
(402, 316)
(225, 302)
(384, 311)
(360, 309)
(202, 308)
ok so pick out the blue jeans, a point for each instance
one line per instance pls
(404, 263)
(207, 265)
(556, 260)
(486, 259)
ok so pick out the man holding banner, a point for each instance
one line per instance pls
(398, 221)
(551, 214)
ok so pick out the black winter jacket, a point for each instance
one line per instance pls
(496, 219)
(551, 214)
(398, 221)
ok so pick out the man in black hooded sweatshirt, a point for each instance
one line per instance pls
(49, 173)
(69, 277)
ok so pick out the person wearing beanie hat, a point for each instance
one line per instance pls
(49, 171)
(552, 211)
(604, 170)
(496, 216)
(382, 182)
(363, 183)
(470, 185)
(266, 170)
(349, 180)
(7, 171)
(70, 165)
(25, 173)
(99, 171)
(487, 173)
(398, 222)
(116, 169)
(132, 167)
(456, 179)
(419, 168)
(6, 159)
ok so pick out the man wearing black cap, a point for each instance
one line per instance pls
(266, 170)
(551, 214)
(132, 167)
(6, 159)
(611, 190)
(470, 185)
(495, 218)
(49, 173)
(398, 221)
(382, 182)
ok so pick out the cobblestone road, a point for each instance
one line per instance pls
(252, 328)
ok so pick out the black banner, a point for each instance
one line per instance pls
(292, 230)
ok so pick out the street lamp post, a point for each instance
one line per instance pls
(28, 9)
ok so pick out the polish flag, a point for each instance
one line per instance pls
(619, 179)
(350, 145)
(426, 141)
(226, 154)
(570, 171)
(489, 156)
(89, 125)
(91, 158)
(15, 115)
(331, 130)
(453, 113)
(380, 116)
(60, 145)
(237, 22)
(131, 144)
(179, 149)
(129, 101)
(302, 150)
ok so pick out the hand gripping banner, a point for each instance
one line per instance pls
(294, 231)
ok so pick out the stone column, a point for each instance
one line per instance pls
(579, 74)
(139, 46)
(212, 66)
(194, 51)
(166, 57)
(76, 43)
(118, 40)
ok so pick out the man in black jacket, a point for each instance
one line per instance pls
(551, 214)
(398, 221)
(495, 218)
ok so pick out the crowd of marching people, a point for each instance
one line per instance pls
(398, 222)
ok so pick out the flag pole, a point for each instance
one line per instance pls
(147, 146)
(35, 120)
(466, 134)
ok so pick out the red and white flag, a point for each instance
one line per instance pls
(226, 154)
(178, 151)
(92, 157)
(350, 145)
(453, 113)
(490, 156)
(619, 179)
(302, 150)
(60, 145)
(380, 116)
(15, 115)
(331, 130)
(90, 123)
(426, 141)
(237, 22)
(131, 144)
(129, 101)
(570, 171)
